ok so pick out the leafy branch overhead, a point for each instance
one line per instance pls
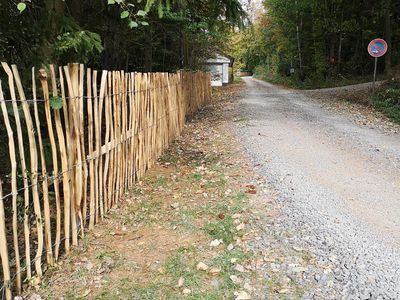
(130, 12)
(168, 34)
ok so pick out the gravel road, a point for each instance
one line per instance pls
(338, 186)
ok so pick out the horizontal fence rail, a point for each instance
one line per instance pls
(72, 148)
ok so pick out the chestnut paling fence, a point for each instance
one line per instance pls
(73, 147)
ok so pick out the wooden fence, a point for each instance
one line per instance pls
(75, 145)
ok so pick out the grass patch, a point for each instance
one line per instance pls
(387, 100)
(126, 289)
(181, 264)
(185, 220)
(222, 229)
(196, 176)
(241, 120)
(168, 158)
(237, 79)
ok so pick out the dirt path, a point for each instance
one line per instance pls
(339, 190)
(182, 232)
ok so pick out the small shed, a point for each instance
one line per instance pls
(219, 69)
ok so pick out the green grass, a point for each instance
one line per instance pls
(221, 229)
(237, 79)
(387, 100)
(185, 220)
(181, 264)
(126, 289)
(196, 176)
(225, 229)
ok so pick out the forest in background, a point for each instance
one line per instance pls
(322, 40)
(134, 35)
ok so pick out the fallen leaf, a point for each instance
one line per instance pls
(248, 287)
(239, 268)
(214, 271)
(86, 293)
(235, 279)
(299, 269)
(236, 216)
(240, 227)
(242, 295)
(202, 266)
(181, 281)
(215, 243)
(175, 205)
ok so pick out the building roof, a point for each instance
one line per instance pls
(218, 59)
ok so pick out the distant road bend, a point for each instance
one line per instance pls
(339, 186)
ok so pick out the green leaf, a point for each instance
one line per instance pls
(21, 7)
(144, 23)
(133, 24)
(124, 14)
(119, 1)
(56, 103)
(111, 2)
(141, 13)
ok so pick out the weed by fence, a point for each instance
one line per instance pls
(72, 154)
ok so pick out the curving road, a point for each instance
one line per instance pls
(339, 186)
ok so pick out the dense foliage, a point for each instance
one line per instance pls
(152, 35)
(320, 39)
(387, 100)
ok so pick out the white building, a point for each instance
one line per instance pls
(219, 69)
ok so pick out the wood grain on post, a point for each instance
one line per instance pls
(64, 166)
(102, 98)
(45, 185)
(5, 263)
(26, 189)
(107, 113)
(45, 89)
(33, 171)
(84, 176)
(90, 147)
(71, 76)
(65, 162)
(93, 116)
(3, 240)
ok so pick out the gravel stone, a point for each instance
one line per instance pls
(338, 197)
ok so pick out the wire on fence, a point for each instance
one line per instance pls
(59, 175)
(95, 97)
(80, 229)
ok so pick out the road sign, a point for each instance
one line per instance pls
(377, 48)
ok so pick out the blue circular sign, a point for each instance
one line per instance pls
(377, 48)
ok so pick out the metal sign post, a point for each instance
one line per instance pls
(377, 48)
(375, 67)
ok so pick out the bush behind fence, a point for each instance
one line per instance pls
(74, 146)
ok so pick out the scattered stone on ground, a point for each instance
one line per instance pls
(354, 101)
(181, 232)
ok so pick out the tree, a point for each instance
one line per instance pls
(326, 38)
(131, 34)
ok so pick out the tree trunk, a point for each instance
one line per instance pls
(388, 37)
(75, 8)
(340, 52)
(148, 59)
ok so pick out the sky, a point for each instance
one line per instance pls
(253, 7)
